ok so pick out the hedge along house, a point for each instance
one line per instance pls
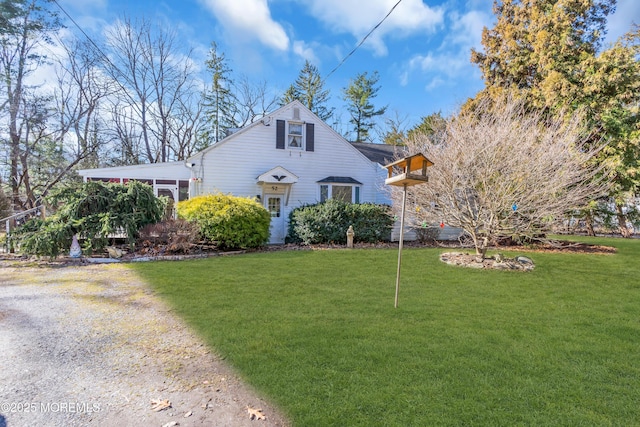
(287, 159)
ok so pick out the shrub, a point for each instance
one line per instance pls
(427, 234)
(228, 221)
(328, 222)
(93, 210)
(5, 205)
(168, 236)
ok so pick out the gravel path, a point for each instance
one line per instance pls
(92, 345)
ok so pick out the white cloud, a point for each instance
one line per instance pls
(466, 30)
(305, 51)
(452, 59)
(358, 18)
(84, 5)
(446, 64)
(435, 83)
(249, 19)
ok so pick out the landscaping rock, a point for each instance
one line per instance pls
(497, 262)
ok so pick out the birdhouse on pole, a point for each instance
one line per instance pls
(403, 173)
(409, 171)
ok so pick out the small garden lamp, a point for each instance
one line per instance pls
(403, 173)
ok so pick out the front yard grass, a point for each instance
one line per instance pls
(317, 333)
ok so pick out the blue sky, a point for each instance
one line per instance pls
(421, 51)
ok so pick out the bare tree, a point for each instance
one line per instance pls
(253, 101)
(503, 172)
(185, 126)
(26, 25)
(79, 97)
(129, 147)
(35, 146)
(394, 130)
(154, 75)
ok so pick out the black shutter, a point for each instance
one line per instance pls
(280, 134)
(310, 137)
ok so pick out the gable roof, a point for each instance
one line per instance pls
(340, 180)
(379, 153)
(268, 119)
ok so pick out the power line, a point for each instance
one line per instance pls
(126, 92)
(362, 41)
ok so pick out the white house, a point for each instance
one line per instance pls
(287, 159)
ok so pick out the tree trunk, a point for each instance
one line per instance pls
(622, 222)
(588, 219)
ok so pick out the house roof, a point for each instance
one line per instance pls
(340, 180)
(379, 153)
(268, 119)
(169, 170)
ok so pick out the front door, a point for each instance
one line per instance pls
(273, 203)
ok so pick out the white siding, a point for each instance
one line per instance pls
(233, 165)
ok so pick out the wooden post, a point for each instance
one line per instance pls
(406, 178)
(404, 203)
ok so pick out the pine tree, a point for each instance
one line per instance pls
(291, 94)
(5, 204)
(219, 104)
(536, 48)
(309, 89)
(549, 54)
(361, 90)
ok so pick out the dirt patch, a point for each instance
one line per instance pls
(92, 345)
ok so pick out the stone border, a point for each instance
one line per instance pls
(496, 262)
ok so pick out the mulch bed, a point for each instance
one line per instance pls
(202, 251)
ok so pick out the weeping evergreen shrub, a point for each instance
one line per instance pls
(329, 221)
(5, 205)
(93, 210)
(230, 222)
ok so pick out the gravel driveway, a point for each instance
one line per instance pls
(92, 345)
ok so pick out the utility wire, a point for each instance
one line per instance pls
(361, 41)
(106, 58)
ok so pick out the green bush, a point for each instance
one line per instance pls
(93, 210)
(5, 205)
(329, 221)
(228, 221)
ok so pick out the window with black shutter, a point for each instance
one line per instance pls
(280, 130)
(310, 137)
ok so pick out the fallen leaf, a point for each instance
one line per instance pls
(256, 414)
(159, 405)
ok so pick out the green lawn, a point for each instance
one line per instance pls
(318, 334)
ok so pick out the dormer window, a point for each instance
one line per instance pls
(295, 136)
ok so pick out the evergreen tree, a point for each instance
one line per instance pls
(361, 90)
(291, 94)
(549, 54)
(5, 204)
(309, 89)
(537, 47)
(429, 126)
(219, 104)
